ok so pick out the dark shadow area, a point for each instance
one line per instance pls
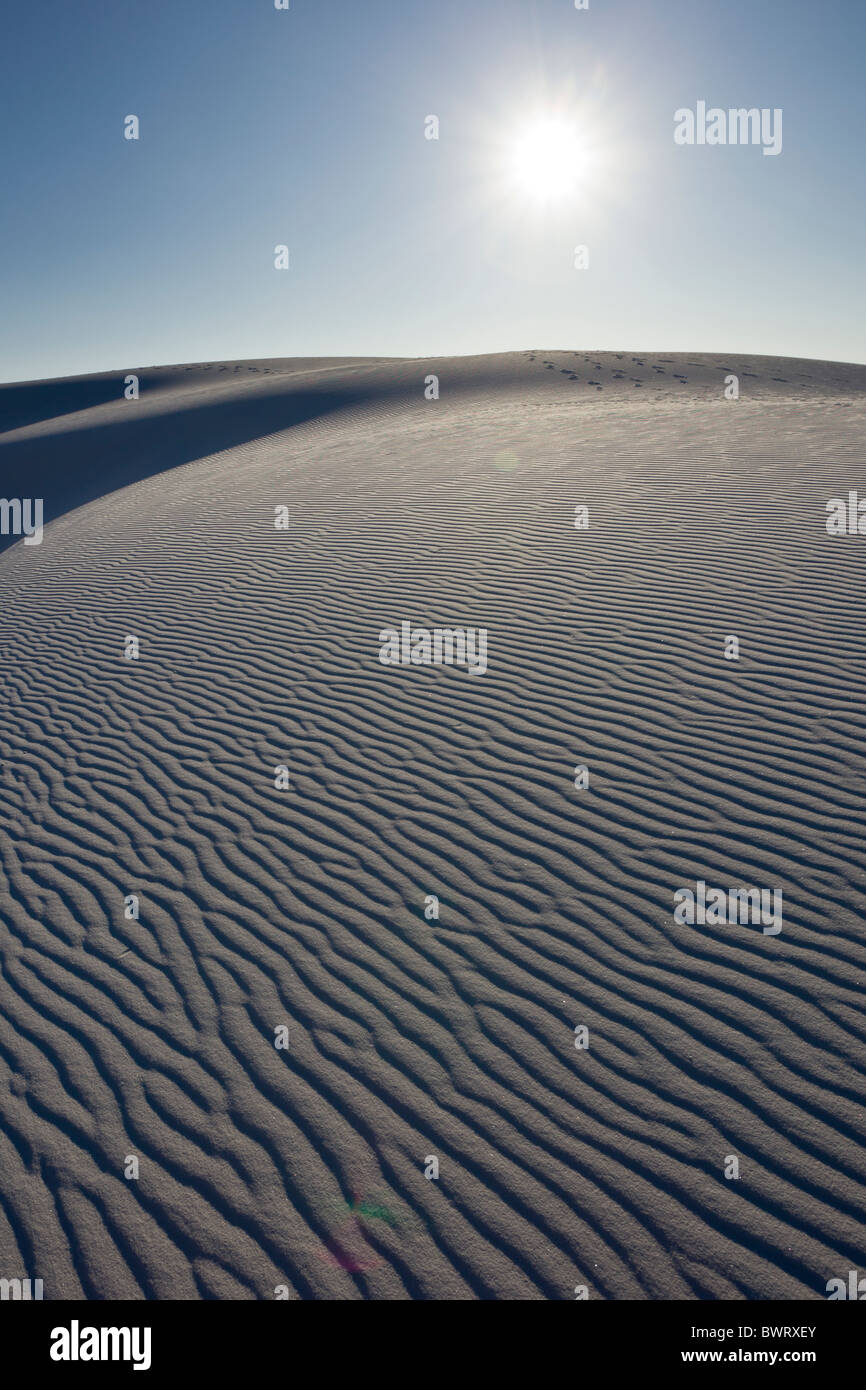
(72, 468)
(35, 401)
(32, 402)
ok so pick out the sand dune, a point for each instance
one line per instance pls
(408, 1037)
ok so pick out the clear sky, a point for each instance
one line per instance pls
(306, 128)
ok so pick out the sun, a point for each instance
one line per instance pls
(548, 159)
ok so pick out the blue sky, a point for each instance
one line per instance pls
(306, 127)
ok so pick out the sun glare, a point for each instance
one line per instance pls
(548, 159)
